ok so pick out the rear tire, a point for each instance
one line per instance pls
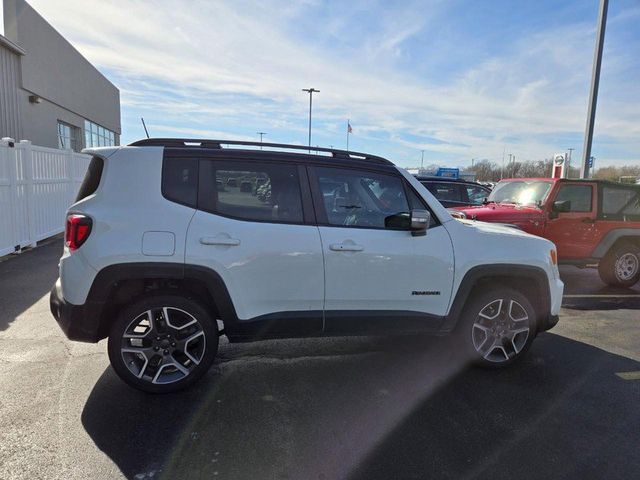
(497, 327)
(620, 267)
(163, 343)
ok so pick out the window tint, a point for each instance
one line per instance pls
(180, 180)
(445, 192)
(476, 194)
(258, 191)
(620, 203)
(578, 195)
(91, 178)
(361, 199)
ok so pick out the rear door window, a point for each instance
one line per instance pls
(255, 191)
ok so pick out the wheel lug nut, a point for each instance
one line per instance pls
(166, 352)
(157, 338)
(173, 344)
(156, 348)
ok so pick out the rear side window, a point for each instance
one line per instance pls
(448, 192)
(578, 195)
(91, 178)
(620, 203)
(255, 191)
(180, 180)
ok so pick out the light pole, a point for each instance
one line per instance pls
(261, 135)
(422, 160)
(311, 91)
(593, 94)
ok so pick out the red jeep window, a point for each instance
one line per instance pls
(619, 203)
(579, 196)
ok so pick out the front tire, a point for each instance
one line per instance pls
(163, 343)
(497, 327)
(620, 267)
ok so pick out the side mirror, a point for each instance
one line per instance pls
(561, 206)
(417, 221)
(420, 220)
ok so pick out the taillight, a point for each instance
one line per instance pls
(77, 230)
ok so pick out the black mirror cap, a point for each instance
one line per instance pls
(420, 220)
(561, 206)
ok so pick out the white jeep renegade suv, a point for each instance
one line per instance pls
(169, 238)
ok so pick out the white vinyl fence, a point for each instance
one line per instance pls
(37, 185)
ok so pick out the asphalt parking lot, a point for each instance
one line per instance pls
(361, 408)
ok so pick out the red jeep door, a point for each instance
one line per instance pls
(573, 232)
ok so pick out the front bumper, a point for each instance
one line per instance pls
(548, 323)
(78, 322)
(556, 291)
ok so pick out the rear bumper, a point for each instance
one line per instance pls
(78, 322)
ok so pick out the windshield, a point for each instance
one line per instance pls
(524, 192)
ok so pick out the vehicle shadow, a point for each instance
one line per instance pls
(378, 408)
(26, 279)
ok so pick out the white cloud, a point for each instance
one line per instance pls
(229, 63)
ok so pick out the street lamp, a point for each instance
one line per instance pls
(311, 91)
(261, 135)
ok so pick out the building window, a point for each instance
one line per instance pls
(68, 136)
(97, 136)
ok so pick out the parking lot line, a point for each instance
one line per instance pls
(629, 375)
(626, 295)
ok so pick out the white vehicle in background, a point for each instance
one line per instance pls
(172, 243)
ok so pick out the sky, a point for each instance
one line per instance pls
(459, 79)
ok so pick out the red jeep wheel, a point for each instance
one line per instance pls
(620, 267)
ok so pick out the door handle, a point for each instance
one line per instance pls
(229, 242)
(588, 220)
(346, 247)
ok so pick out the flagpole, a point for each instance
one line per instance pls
(348, 120)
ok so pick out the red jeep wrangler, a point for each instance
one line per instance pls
(590, 221)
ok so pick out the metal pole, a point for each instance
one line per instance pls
(261, 135)
(595, 81)
(422, 160)
(348, 125)
(311, 92)
(568, 167)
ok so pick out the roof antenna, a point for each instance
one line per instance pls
(145, 127)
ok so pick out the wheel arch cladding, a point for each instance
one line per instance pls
(531, 281)
(615, 237)
(116, 285)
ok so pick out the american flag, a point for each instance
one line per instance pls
(349, 129)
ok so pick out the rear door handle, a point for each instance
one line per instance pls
(346, 247)
(229, 242)
(588, 220)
